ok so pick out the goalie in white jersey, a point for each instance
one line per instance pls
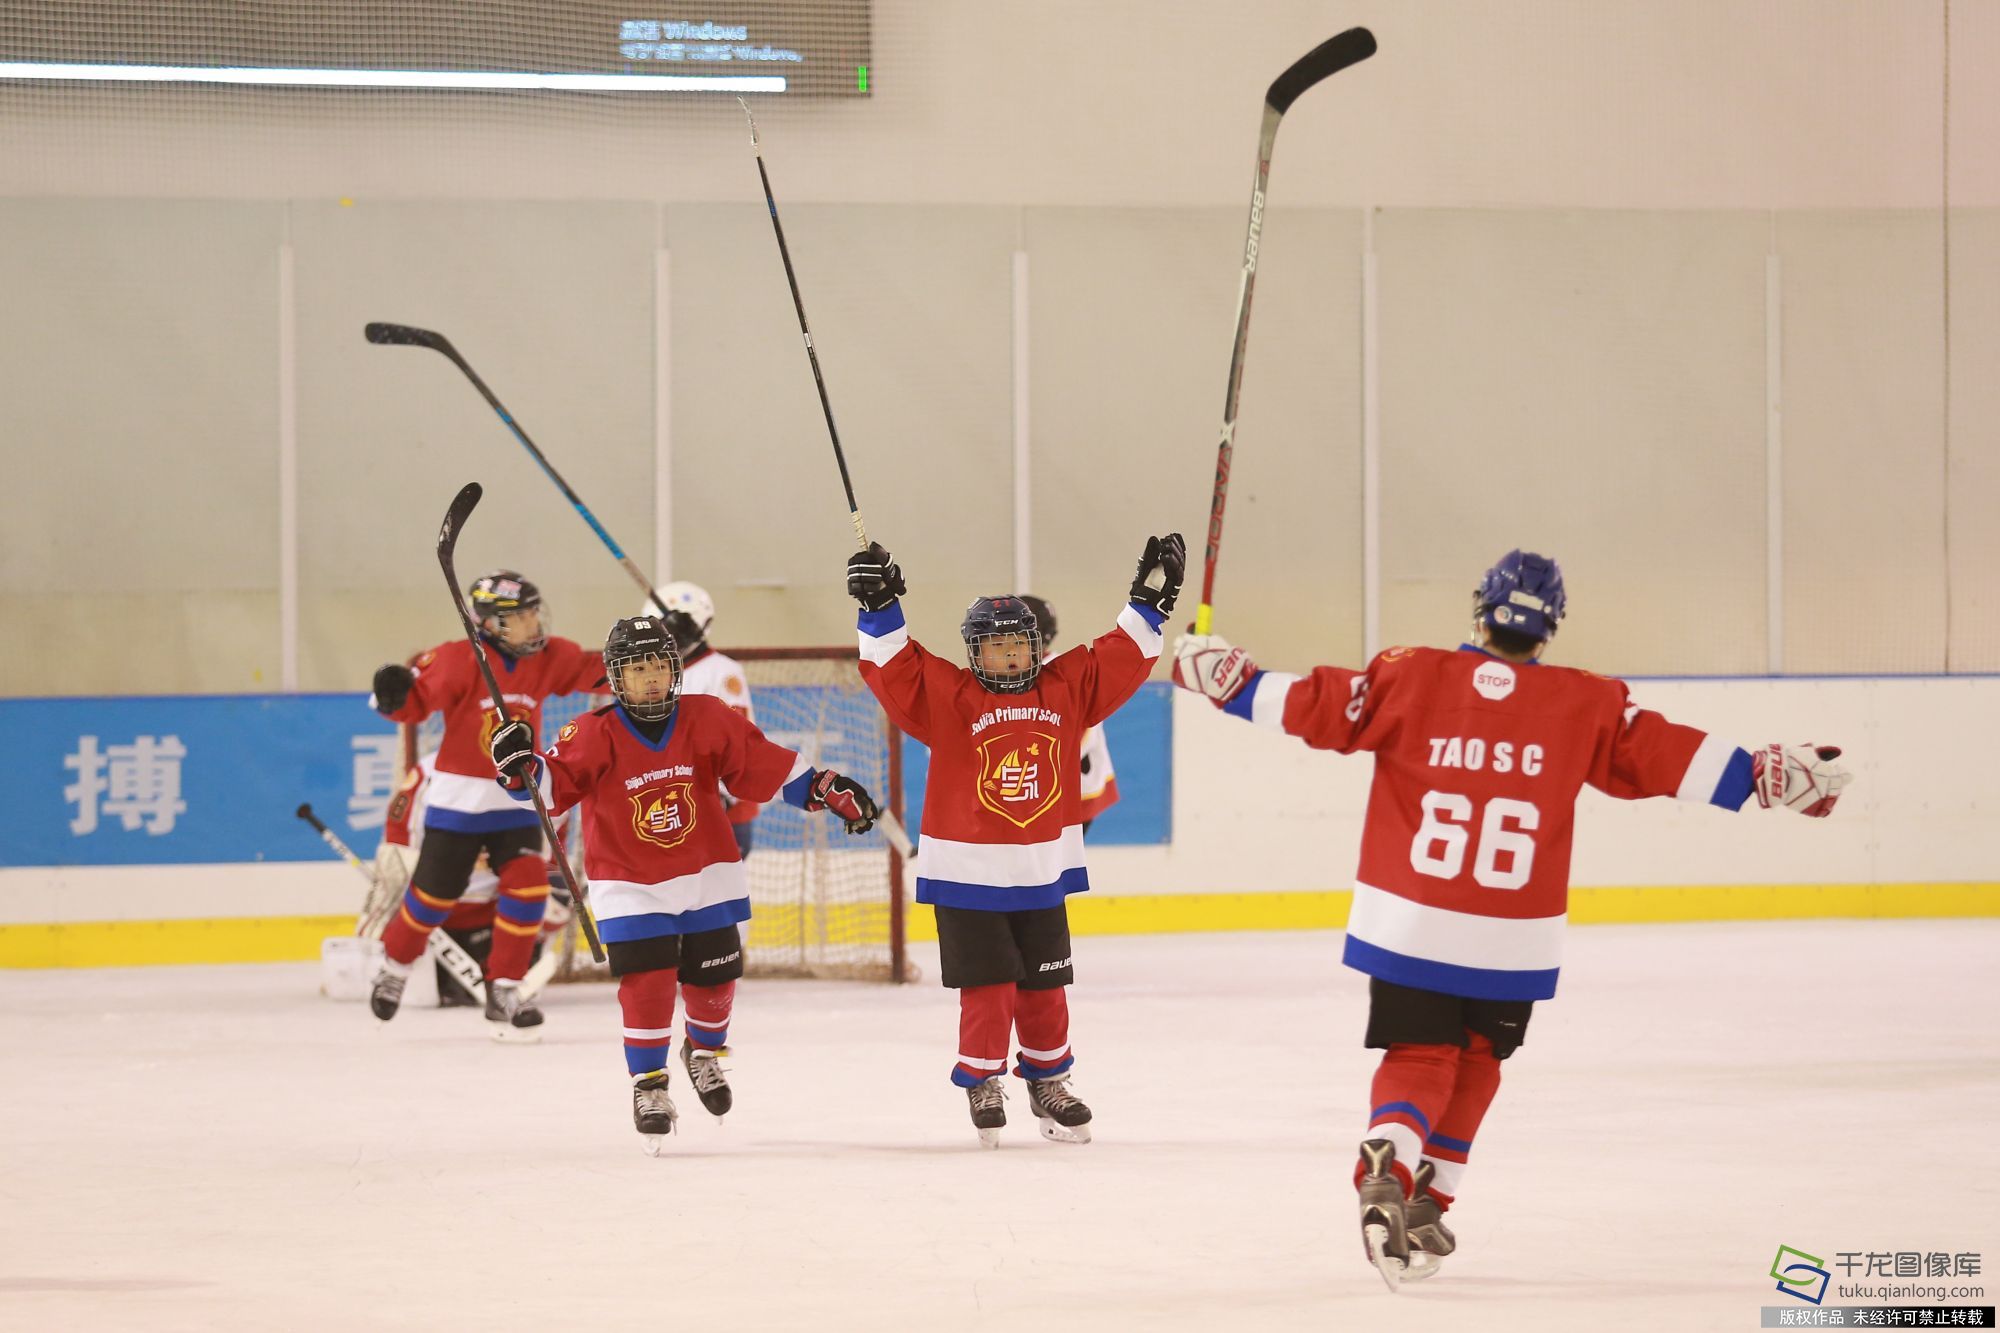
(688, 613)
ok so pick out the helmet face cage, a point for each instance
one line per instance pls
(635, 641)
(994, 619)
(496, 596)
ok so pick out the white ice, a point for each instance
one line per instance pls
(219, 1148)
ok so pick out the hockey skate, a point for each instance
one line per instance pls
(1384, 1234)
(1423, 1221)
(386, 996)
(1064, 1117)
(509, 1017)
(705, 1071)
(653, 1113)
(989, 1112)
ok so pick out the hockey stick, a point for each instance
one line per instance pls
(899, 838)
(805, 331)
(404, 335)
(440, 945)
(461, 509)
(1322, 62)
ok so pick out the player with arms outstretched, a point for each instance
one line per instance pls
(666, 882)
(689, 613)
(465, 814)
(1462, 894)
(1001, 844)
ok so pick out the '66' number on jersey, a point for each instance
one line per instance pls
(1504, 831)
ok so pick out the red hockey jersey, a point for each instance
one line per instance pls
(462, 795)
(1464, 878)
(659, 854)
(1003, 805)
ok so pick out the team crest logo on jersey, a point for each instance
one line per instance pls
(1493, 680)
(566, 733)
(1019, 778)
(732, 684)
(663, 815)
(490, 723)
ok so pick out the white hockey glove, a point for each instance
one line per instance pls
(1799, 777)
(1208, 664)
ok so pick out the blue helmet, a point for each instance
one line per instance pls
(1522, 594)
(991, 617)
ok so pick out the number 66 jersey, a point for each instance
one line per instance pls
(1464, 879)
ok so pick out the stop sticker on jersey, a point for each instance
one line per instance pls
(1493, 680)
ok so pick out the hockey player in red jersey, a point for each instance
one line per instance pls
(666, 882)
(465, 814)
(1462, 893)
(1001, 845)
(689, 613)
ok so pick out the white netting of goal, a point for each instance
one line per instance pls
(824, 903)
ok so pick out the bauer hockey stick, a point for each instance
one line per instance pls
(805, 331)
(461, 509)
(405, 335)
(1322, 62)
(440, 945)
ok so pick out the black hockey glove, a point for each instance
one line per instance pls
(514, 755)
(392, 687)
(874, 579)
(846, 798)
(1161, 569)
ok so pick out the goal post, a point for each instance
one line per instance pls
(823, 903)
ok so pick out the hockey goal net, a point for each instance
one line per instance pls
(823, 903)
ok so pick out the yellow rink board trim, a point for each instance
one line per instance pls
(292, 939)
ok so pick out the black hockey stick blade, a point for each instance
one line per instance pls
(461, 509)
(405, 335)
(1323, 61)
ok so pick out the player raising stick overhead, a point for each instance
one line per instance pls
(1459, 905)
(465, 813)
(1001, 843)
(665, 877)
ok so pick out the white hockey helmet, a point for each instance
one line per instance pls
(687, 609)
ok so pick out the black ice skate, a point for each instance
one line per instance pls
(705, 1071)
(653, 1113)
(1384, 1234)
(509, 1017)
(1423, 1221)
(1064, 1117)
(989, 1112)
(386, 997)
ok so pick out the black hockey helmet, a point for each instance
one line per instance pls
(1045, 616)
(500, 594)
(634, 640)
(1002, 617)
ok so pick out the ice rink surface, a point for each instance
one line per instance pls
(219, 1148)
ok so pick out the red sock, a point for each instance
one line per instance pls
(985, 1022)
(1041, 1017)
(708, 1013)
(1412, 1087)
(421, 913)
(647, 1001)
(517, 916)
(1451, 1139)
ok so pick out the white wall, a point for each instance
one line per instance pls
(1255, 811)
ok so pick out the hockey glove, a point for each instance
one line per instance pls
(514, 755)
(392, 687)
(874, 579)
(1799, 777)
(1161, 569)
(846, 798)
(1208, 664)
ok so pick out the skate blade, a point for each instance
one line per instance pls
(1375, 1236)
(1422, 1264)
(989, 1138)
(655, 1144)
(1056, 1133)
(510, 1035)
